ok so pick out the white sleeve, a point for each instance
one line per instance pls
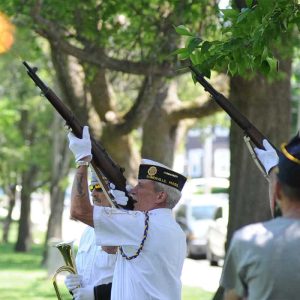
(115, 227)
(103, 268)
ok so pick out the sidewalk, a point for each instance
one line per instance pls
(198, 273)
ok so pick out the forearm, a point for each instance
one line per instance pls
(81, 208)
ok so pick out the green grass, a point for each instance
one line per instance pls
(23, 277)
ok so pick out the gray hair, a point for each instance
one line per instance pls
(173, 195)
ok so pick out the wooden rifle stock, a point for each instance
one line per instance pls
(249, 129)
(101, 159)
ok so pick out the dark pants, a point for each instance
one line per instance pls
(102, 292)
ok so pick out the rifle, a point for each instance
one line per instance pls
(249, 129)
(251, 132)
(101, 162)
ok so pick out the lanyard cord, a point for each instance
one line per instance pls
(143, 240)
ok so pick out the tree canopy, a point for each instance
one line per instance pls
(252, 38)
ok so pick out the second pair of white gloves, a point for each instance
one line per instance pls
(73, 283)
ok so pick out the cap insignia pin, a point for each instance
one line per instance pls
(152, 171)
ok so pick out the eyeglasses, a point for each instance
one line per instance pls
(95, 186)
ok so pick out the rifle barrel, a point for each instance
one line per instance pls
(101, 158)
(249, 129)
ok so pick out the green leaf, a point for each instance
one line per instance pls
(265, 67)
(195, 58)
(264, 54)
(230, 13)
(205, 47)
(243, 14)
(179, 51)
(206, 73)
(232, 67)
(204, 69)
(272, 63)
(182, 30)
(184, 54)
(249, 3)
(193, 43)
(266, 4)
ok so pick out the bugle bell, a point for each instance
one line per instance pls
(66, 250)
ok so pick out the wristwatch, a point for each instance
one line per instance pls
(82, 163)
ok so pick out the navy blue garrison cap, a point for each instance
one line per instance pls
(289, 163)
(155, 171)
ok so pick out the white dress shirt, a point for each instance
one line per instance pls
(155, 273)
(93, 264)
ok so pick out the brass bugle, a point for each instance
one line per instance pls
(65, 248)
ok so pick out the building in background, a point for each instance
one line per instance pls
(207, 152)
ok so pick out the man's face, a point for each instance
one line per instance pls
(144, 195)
(99, 198)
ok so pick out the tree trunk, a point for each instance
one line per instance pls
(267, 106)
(54, 228)
(159, 134)
(60, 168)
(24, 231)
(122, 151)
(8, 219)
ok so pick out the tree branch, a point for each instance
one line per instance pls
(97, 56)
(142, 106)
(195, 110)
(101, 99)
(67, 85)
(204, 106)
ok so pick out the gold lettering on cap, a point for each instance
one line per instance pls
(162, 180)
(152, 171)
(173, 183)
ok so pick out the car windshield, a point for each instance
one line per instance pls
(203, 212)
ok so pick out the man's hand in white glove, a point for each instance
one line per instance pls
(81, 147)
(120, 196)
(72, 281)
(86, 293)
(267, 157)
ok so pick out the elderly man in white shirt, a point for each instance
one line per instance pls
(95, 264)
(152, 246)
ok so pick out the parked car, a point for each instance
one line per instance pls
(216, 236)
(194, 215)
(206, 185)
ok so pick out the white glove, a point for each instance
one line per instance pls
(81, 147)
(86, 293)
(267, 157)
(72, 281)
(120, 196)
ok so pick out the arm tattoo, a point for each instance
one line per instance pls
(79, 185)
